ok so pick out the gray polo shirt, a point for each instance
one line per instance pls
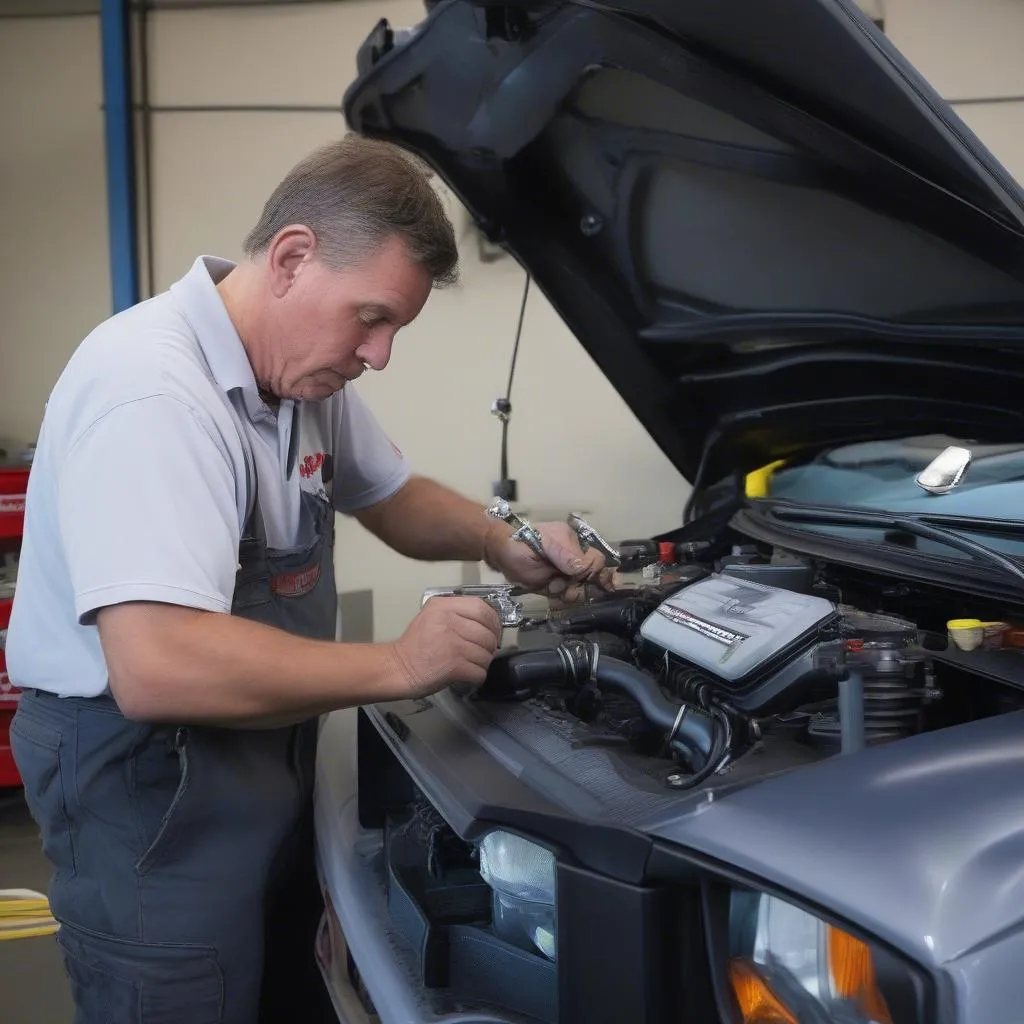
(138, 487)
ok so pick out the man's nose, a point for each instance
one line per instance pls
(376, 353)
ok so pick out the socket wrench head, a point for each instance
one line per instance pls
(590, 538)
(500, 509)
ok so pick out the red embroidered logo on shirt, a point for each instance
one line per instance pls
(296, 584)
(311, 464)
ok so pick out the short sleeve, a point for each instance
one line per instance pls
(147, 507)
(368, 466)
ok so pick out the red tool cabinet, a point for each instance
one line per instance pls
(13, 484)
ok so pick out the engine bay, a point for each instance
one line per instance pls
(721, 670)
(700, 673)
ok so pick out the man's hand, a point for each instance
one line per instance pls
(451, 640)
(562, 574)
(425, 520)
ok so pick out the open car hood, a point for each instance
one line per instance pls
(760, 222)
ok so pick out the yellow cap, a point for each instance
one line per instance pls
(964, 624)
(756, 484)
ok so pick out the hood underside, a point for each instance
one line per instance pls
(767, 231)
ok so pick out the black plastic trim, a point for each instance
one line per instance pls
(914, 568)
(474, 793)
(384, 785)
(611, 939)
(483, 967)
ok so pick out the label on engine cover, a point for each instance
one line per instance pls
(702, 626)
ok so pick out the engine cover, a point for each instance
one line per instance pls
(734, 629)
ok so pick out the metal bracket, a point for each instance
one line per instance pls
(498, 595)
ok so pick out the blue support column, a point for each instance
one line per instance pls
(115, 32)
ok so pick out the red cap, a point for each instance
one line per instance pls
(666, 551)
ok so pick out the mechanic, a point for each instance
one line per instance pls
(175, 615)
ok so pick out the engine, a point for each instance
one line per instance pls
(704, 668)
(769, 651)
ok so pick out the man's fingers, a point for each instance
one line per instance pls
(477, 633)
(594, 561)
(476, 609)
(569, 563)
(477, 656)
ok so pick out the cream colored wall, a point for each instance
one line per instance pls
(54, 278)
(969, 50)
(573, 442)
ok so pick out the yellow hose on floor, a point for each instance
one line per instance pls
(24, 914)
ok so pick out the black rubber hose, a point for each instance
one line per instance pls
(515, 675)
(622, 616)
(694, 733)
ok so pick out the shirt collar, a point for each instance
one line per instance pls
(198, 297)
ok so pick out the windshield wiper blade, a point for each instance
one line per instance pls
(922, 525)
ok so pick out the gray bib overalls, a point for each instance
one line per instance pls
(184, 877)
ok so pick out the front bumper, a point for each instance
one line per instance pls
(634, 948)
(345, 855)
(609, 967)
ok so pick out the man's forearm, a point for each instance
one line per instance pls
(428, 521)
(171, 664)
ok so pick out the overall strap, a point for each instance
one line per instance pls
(251, 486)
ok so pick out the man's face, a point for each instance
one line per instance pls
(332, 324)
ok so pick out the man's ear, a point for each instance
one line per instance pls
(288, 250)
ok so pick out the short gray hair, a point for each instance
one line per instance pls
(355, 194)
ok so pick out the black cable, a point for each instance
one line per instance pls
(969, 101)
(505, 488)
(519, 331)
(503, 469)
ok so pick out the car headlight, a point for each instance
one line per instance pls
(787, 966)
(522, 875)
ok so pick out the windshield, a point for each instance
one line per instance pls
(881, 476)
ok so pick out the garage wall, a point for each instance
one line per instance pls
(573, 442)
(970, 51)
(54, 278)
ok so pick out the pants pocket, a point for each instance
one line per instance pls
(36, 746)
(117, 981)
(145, 787)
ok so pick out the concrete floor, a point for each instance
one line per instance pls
(33, 989)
